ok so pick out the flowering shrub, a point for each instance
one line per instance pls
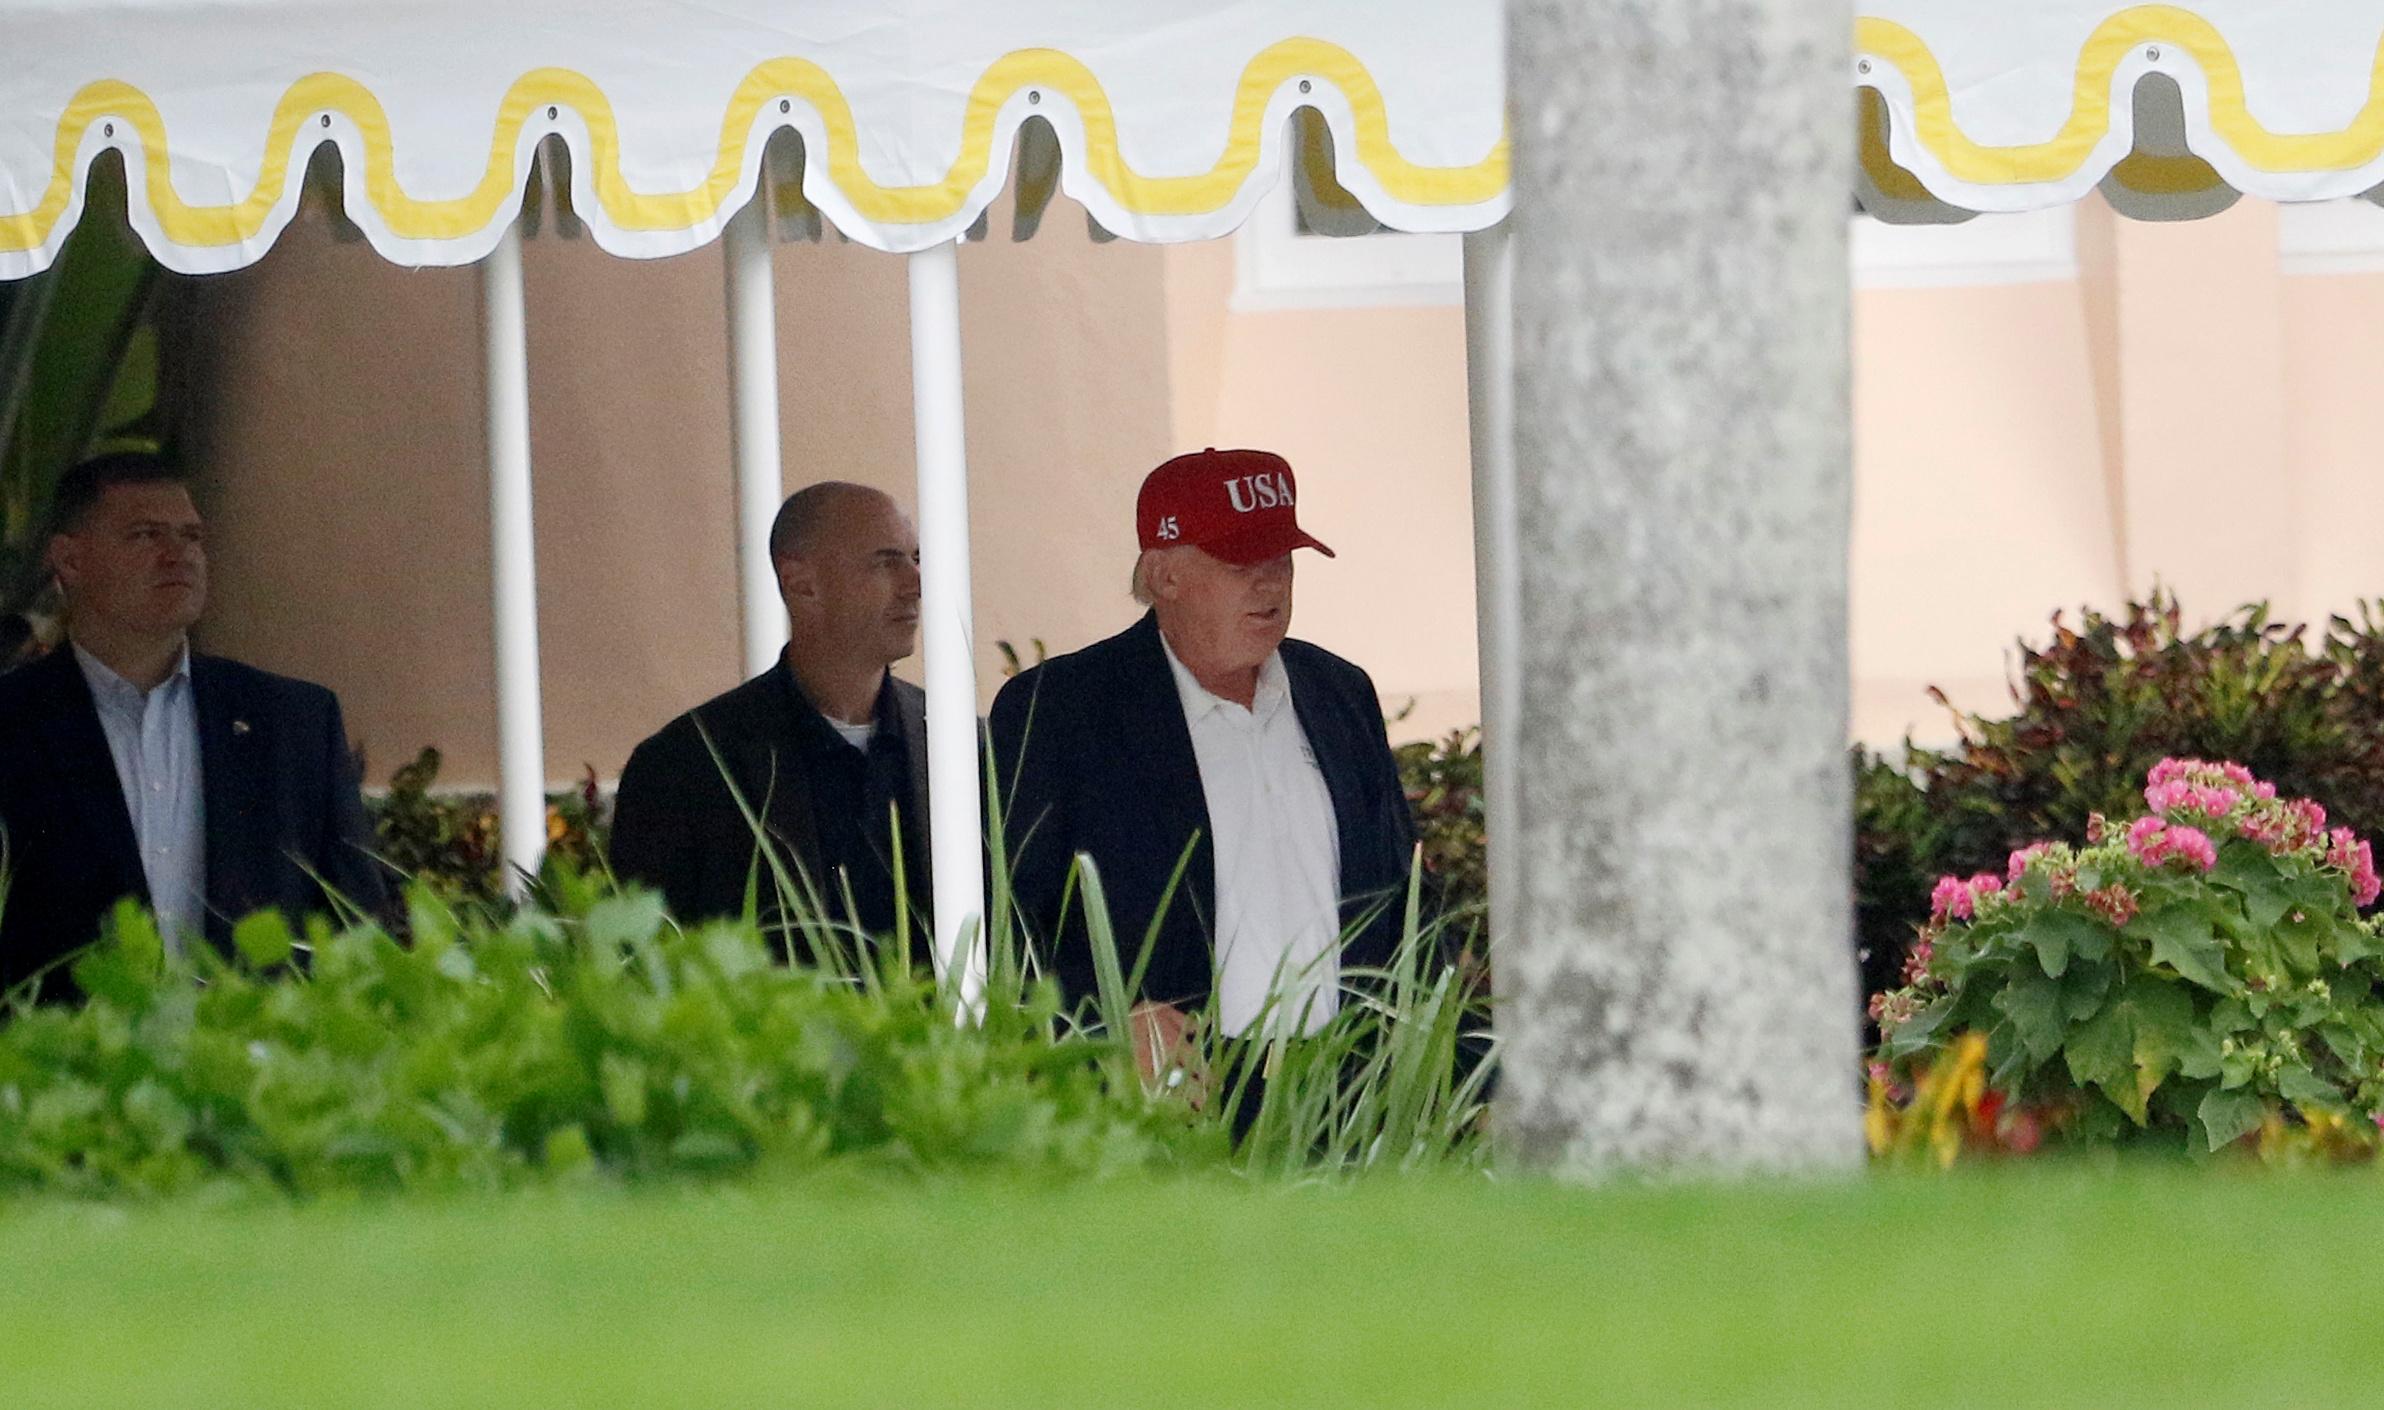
(2200, 972)
(2095, 705)
(448, 841)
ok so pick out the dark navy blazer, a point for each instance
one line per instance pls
(280, 793)
(1094, 756)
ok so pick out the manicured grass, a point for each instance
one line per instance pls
(2053, 1286)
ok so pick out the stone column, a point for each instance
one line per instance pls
(1679, 992)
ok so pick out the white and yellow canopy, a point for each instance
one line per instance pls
(2171, 110)
(898, 124)
(901, 122)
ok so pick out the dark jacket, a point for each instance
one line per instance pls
(678, 828)
(280, 795)
(1094, 756)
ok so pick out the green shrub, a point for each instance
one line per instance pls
(2192, 974)
(594, 1037)
(2095, 708)
(583, 1033)
(1443, 779)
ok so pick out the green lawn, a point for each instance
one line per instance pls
(2046, 1287)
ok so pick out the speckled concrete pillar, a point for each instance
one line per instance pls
(1679, 991)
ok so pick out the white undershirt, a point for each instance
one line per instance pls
(858, 735)
(1278, 854)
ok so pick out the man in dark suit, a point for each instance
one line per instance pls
(822, 748)
(131, 766)
(1201, 732)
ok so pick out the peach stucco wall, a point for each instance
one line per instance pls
(2182, 412)
(2180, 408)
(342, 450)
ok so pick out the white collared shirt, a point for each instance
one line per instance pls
(153, 736)
(1278, 854)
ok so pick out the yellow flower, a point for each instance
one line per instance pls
(1879, 1120)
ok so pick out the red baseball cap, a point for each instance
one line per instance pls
(1231, 504)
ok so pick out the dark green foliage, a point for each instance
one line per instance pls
(2096, 707)
(79, 373)
(448, 841)
(1443, 778)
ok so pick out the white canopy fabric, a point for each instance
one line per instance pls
(2172, 110)
(1166, 119)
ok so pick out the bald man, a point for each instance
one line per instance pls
(823, 747)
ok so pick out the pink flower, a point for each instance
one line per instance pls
(1951, 900)
(2114, 903)
(2155, 842)
(2238, 775)
(2170, 769)
(2018, 865)
(2169, 795)
(2266, 827)
(2144, 839)
(2097, 827)
(2345, 846)
(2365, 885)
(2263, 791)
(1985, 883)
(2193, 844)
(2216, 802)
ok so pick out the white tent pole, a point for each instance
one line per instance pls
(753, 429)
(513, 547)
(1498, 598)
(946, 623)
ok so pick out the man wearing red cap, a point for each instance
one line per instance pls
(1200, 737)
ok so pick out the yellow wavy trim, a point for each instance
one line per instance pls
(2090, 108)
(194, 226)
(2139, 171)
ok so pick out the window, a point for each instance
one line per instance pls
(2331, 237)
(1278, 265)
(2025, 248)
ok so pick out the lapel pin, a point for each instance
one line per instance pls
(239, 726)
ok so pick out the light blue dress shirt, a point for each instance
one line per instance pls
(154, 738)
